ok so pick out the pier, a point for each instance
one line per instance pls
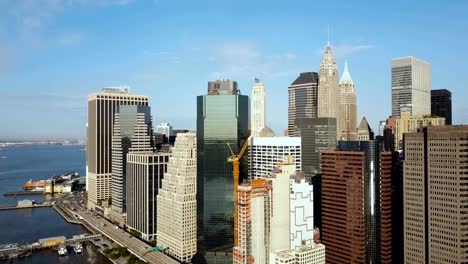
(10, 251)
(14, 207)
(23, 193)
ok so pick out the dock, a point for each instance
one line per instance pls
(23, 193)
(16, 250)
(15, 207)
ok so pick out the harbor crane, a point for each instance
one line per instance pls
(234, 159)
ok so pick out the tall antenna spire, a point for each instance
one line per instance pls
(328, 36)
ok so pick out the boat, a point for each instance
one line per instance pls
(78, 248)
(30, 185)
(3, 157)
(62, 250)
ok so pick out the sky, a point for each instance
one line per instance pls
(53, 53)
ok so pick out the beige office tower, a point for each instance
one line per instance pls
(435, 180)
(102, 107)
(348, 106)
(364, 132)
(177, 202)
(411, 86)
(407, 123)
(328, 89)
(258, 118)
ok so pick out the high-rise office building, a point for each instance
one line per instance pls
(382, 125)
(441, 104)
(356, 203)
(411, 86)
(133, 132)
(407, 123)
(165, 129)
(302, 101)
(258, 108)
(316, 134)
(254, 209)
(222, 117)
(302, 210)
(434, 184)
(177, 204)
(328, 89)
(145, 172)
(280, 222)
(101, 109)
(266, 152)
(348, 106)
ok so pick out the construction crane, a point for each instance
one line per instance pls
(234, 159)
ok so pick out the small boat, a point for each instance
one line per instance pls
(3, 157)
(62, 250)
(78, 248)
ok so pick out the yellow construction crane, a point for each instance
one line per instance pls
(234, 159)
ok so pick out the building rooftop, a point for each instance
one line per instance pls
(346, 77)
(306, 77)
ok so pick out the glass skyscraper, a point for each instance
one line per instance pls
(222, 117)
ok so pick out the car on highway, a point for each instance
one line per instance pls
(103, 224)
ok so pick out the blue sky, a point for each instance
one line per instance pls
(53, 53)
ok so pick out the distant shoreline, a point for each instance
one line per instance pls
(32, 144)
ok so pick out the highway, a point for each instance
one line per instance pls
(123, 238)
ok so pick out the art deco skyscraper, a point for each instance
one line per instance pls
(177, 204)
(258, 120)
(101, 109)
(222, 117)
(302, 99)
(411, 86)
(435, 195)
(348, 106)
(328, 89)
(133, 132)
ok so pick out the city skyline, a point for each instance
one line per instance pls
(65, 59)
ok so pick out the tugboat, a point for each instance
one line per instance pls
(78, 248)
(62, 250)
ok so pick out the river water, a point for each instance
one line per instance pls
(28, 225)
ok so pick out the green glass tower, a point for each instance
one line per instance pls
(222, 117)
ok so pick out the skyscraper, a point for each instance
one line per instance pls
(145, 171)
(328, 89)
(177, 205)
(302, 210)
(316, 134)
(280, 224)
(434, 184)
(356, 203)
(348, 106)
(222, 117)
(364, 132)
(302, 101)
(101, 109)
(133, 132)
(266, 152)
(165, 129)
(411, 86)
(258, 108)
(441, 104)
(254, 207)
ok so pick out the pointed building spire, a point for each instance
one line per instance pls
(328, 36)
(346, 77)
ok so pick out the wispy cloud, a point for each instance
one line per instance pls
(156, 53)
(70, 38)
(249, 60)
(346, 50)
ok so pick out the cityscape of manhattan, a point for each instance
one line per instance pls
(214, 132)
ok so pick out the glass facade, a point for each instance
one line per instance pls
(221, 119)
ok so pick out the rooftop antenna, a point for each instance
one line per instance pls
(328, 37)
